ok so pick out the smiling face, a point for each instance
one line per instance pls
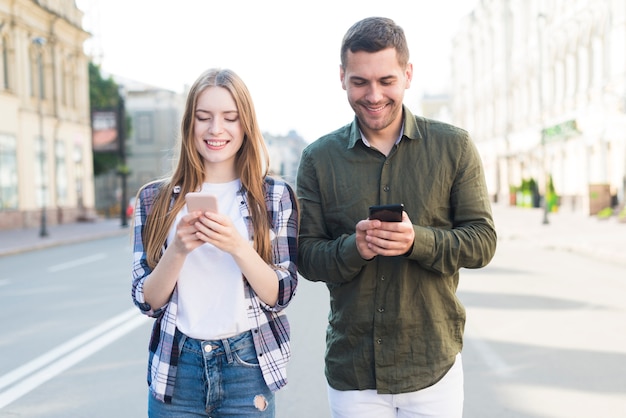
(375, 84)
(218, 133)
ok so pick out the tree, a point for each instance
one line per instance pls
(104, 93)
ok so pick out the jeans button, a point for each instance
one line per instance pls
(208, 348)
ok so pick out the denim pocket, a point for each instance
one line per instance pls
(246, 356)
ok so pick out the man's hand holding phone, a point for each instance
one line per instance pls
(393, 235)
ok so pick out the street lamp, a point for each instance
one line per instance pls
(39, 42)
(121, 137)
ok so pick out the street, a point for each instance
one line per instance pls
(544, 337)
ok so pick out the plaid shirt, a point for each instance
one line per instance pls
(269, 325)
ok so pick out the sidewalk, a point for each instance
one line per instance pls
(566, 231)
(20, 240)
(578, 233)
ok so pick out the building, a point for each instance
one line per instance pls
(155, 114)
(46, 174)
(436, 106)
(541, 87)
(285, 152)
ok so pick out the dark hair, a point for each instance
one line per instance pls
(374, 34)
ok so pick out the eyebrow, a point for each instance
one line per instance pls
(385, 78)
(208, 111)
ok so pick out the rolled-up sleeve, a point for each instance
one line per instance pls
(284, 242)
(141, 270)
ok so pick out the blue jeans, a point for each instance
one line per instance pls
(218, 378)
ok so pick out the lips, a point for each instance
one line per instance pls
(375, 109)
(214, 143)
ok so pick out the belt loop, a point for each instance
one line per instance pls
(181, 342)
(229, 354)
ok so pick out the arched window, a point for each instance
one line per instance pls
(5, 62)
(37, 69)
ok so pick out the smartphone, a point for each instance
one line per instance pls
(201, 201)
(387, 213)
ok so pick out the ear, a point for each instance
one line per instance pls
(342, 77)
(409, 75)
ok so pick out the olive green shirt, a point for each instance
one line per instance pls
(395, 323)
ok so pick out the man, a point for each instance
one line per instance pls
(396, 327)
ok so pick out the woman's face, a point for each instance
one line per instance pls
(217, 131)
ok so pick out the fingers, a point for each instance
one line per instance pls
(219, 231)
(391, 238)
(185, 239)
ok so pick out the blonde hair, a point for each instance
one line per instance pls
(252, 162)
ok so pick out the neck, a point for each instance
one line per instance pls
(216, 173)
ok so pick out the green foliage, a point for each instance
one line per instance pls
(551, 197)
(122, 170)
(103, 162)
(104, 94)
(605, 213)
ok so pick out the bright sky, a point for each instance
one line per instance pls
(286, 51)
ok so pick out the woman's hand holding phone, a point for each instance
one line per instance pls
(201, 201)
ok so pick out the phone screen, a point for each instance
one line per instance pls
(387, 213)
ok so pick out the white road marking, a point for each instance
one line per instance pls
(77, 262)
(56, 361)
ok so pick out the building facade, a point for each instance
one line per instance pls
(540, 84)
(155, 114)
(46, 174)
(284, 153)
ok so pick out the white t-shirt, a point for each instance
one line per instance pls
(211, 302)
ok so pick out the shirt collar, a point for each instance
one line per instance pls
(410, 129)
(367, 143)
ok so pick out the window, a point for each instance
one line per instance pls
(8, 172)
(37, 73)
(40, 176)
(61, 173)
(68, 88)
(78, 177)
(144, 128)
(5, 63)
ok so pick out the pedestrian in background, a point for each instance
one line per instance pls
(217, 283)
(395, 329)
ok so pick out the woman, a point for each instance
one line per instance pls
(217, 282)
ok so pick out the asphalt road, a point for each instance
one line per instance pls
(545, 336)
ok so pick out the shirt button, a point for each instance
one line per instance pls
(381, 310)
(379, 341)
(208, 348)
(386, 188)
(382, 278)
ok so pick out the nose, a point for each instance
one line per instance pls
(216, 126)
(374, 93)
